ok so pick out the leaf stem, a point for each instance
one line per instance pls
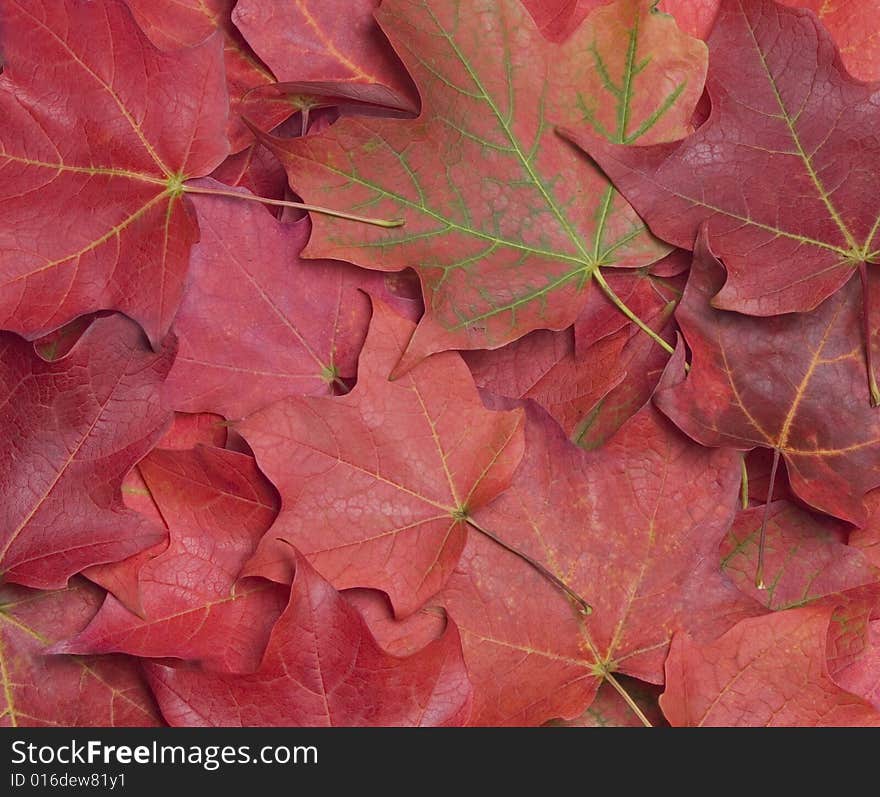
(284, 203)
(584, 607)
(628, 699)
(621, 305)
(744, 484)
(343, 388)
(762, 540)
(866, 320)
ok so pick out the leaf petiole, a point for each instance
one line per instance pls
(622, 306)
(284, 203)
(744, 484)
(869, 348)
(583, 606)
(628, 699)
(762, 540)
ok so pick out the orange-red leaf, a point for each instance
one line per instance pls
(375, 485)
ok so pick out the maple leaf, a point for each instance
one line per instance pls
(40, 689)
(322, 667)
(377, 485)
(806, 556)
(787, 243)
(72, 429)
(333, 41)
(505, 223)
(768, 382)
(121, 578)
(100, 133)
(633, 527)
(291, 327)
(217, 506)
(765, 671)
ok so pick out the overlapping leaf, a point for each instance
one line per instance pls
(322, 667)
(376, 485)
(505, 222)
(44, 690)
(590, 395)
(217, 506)
(493, 571)
(335, 41)
(72, 430)
(633, 528)
(291, 327)
(122, 578)
(773, 382)
(782, 171)
(806, 556)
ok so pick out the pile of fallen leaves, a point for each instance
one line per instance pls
(439, 362)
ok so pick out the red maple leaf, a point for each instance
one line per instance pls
(291, 327)
(633, 528)
(782, 172)
(505, 223)
(100, 133)
(377, 485)
(768, 383)
(217, 506)
(336, 41)
(73, 429)
(322, 667)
